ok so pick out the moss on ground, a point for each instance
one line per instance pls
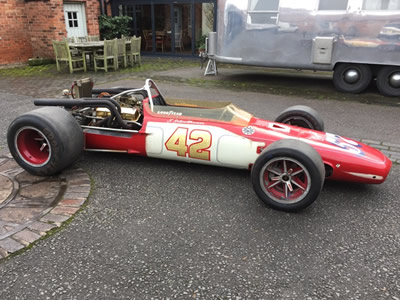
(283, 82)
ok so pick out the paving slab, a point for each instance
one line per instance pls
(31, 206)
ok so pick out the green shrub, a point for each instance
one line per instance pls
(39, 61)
(114, 27)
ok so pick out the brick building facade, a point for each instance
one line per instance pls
(27, 27)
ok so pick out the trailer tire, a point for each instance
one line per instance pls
(301, 116)
(352, 78)
(388, 81)
(45, 141)
(288, 175)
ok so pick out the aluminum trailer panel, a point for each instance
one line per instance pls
(312, 34)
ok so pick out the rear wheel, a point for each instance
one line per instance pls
(45, 141)
(288, 175)
(301, 116)
(352, 78)
(388, 81)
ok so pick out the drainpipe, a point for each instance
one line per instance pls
(102, 10)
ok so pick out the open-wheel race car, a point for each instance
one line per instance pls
(289, 158)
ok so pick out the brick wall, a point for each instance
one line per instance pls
(28, 28)
(15, 45)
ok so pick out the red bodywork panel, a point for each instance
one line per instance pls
(348, 159)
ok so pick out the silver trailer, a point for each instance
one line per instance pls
(357, 39)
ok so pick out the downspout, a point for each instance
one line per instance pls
(102, 10)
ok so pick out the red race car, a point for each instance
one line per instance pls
(289, 158)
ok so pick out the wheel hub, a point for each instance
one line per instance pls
(351, 76)
(394, 80)
(285, 180)
(32, 146)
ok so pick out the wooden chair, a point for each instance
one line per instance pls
(63, 54)
(134, 51)
(93, 38)
(178, 40)
(80, 39)
(121, 51)
(70, 39)
(160, 40)
(147, 39)
(109, 54)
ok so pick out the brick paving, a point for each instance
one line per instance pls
(31, 206)
(392, 151)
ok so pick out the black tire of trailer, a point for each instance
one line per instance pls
(45, 141)
(310, 171)
(383, 81)
(364, 71)
(301, 116)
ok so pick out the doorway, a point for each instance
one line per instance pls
(75, 19)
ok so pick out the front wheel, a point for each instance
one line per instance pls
(45, 141)
(352, 78)
(301, 116)
(288, 175)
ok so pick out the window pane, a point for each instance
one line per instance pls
(204, 22)
(263, 18)
(162, 22)
(333, 5)
(264, 5)
(381, 5)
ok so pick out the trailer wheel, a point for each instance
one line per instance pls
(352, 78)
(45, 141)
(301, 116)
(288, 175)
(388, 81)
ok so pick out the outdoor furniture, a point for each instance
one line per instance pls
(109, 54)
(134, 51)
(80, 39)
(178, 40)
(93, 38)
(69, 39)
(147, 39)
(64, 54)
(160, 40)
(121, 52)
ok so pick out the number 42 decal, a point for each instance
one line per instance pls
(180, 139)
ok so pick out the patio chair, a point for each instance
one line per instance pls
(134, 51)
(63, 54)
(160, 40)
(93, 38)
(80, 39)
(121, 52)
(109, 54)
(70, 39)
(147, 39)
(178, 40)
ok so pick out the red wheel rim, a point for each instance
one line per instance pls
(32, 146)
(285, 180)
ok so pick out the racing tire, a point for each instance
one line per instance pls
(301, 116)
(45, 141)
(288, 175)
(387, 81)
(352, 78)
